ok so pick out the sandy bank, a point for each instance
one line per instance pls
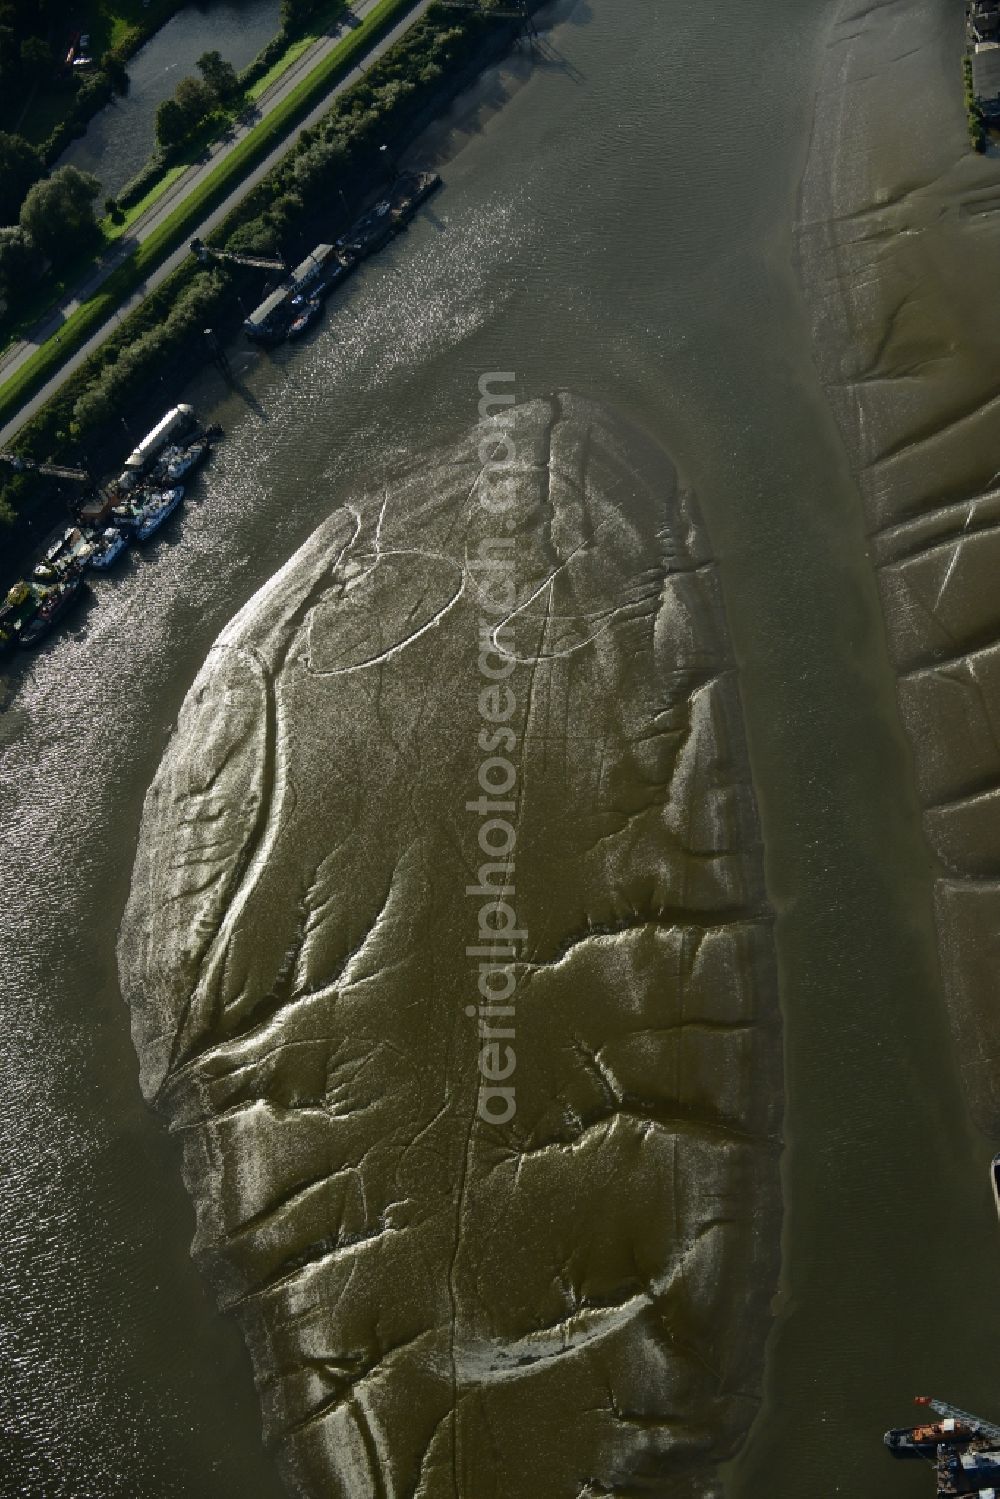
(898, 241)
(442, 1296)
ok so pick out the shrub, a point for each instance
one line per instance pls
(263, 62)
(138, 186)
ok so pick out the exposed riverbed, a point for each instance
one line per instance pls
(604, 228)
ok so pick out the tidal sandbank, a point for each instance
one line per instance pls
(334, 951)
(898, 236)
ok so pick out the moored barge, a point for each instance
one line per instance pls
(55, 602)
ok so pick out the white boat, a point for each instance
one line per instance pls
(155, 512)
(178, 461)
(108, 548)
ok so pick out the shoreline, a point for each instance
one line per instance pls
(892, 225)
(909, 374)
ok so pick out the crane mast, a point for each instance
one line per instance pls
(51, 470)
(941, 1408)
(205, 253)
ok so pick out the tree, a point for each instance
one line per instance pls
(195, 100)
(10, 57)
(171, 127)
(112, 65)
(179, 117)
(36, 58)
(60, 210)
(17, 262)
(219, 75)
(20, 168)
(295, 14)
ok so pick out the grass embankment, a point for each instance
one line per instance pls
(186, 217)
(295, 46)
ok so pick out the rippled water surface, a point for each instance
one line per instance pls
(617, 220)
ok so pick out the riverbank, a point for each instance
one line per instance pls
(893, 254)
(889, 1201)
(122, 270)
(163, 341)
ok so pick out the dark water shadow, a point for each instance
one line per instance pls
(548, 56)
(246, 395)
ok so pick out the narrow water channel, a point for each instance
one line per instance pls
(618, 221)
(121, 137)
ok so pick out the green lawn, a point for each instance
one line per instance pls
(109, 21)
(294, 52)
(186, 217)
(44, 300)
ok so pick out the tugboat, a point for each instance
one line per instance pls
(964, 1449)
(155, 512)
(923, 1441)
(56, 601)
(108, 548)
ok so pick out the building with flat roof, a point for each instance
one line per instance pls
(267, 319)
(312, 267)
(986, 78)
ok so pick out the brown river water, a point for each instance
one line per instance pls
(620, 219)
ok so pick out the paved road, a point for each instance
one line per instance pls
(165, 205)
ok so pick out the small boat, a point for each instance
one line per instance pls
(409, 191)
(17, 610)
(56, 601)
(19, 607)
(108, 548)
(338, 271)
(177, 461)
(155, 512)
(72, 550)
(995, 1180)
(127, 515)
(305, 317)
(369, 233)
